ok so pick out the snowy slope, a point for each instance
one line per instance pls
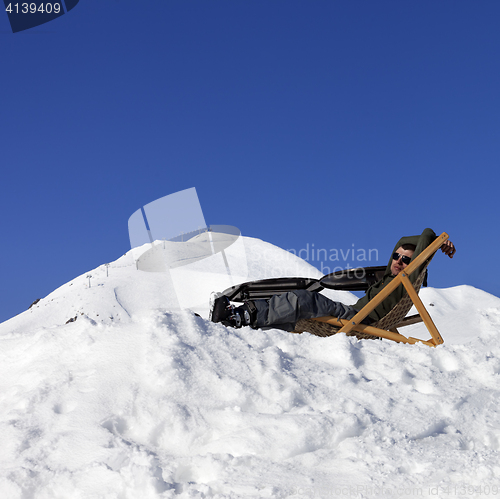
(132, 400)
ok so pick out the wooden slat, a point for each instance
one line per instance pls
(375, 331)
(421, 309)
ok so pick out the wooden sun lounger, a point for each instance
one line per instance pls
(387, 327)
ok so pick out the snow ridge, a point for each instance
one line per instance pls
(133, 400)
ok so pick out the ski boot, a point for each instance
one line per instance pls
(229, 315)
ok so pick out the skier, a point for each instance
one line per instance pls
(284, 310)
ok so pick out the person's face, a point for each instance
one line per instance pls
(397, 265)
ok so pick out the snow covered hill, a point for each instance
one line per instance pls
(105, 392)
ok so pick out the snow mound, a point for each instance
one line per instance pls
(133, 400)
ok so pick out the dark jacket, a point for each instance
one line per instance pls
(421, 242)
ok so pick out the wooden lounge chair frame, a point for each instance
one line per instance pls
(387, 327)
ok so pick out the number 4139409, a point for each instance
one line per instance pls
(33, 8)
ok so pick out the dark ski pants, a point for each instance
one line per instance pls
(283, 311)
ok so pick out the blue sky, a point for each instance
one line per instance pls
(330, 123)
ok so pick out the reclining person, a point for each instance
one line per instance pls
(284, 310)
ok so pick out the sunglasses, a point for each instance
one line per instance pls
(405, 259)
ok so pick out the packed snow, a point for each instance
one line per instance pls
(107, 391)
